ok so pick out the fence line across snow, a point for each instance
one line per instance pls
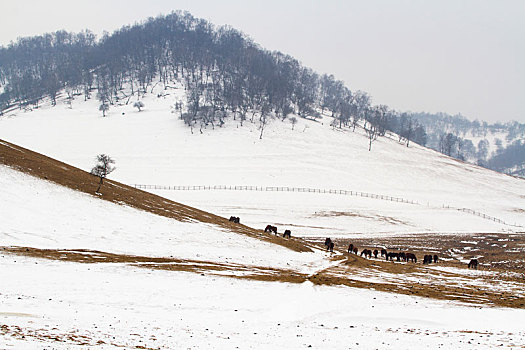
(276, 189)
(313, 190)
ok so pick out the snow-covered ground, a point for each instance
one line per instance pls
(41, 214)
(106, 306)
(155, 147)
(319, 215)
(66, 305)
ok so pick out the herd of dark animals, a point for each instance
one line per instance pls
(268, 229)
(402, 256)
(367, 253)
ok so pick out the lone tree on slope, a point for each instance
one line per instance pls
(139, 105)
(103, 168)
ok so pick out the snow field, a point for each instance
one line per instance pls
(129, 307)
(41, 214)
(333, 215)
(154, 147)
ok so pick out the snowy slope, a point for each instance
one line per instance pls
(107, 305)
(40, 214)
(154, 147)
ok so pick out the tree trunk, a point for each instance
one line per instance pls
(99, 184)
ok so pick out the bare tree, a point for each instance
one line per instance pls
(372, 131)
(372, 122)
(265, 114)
(139, 105)
(293, 120)
(103, 168)
(104, 108)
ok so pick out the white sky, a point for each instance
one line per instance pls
(454, 56)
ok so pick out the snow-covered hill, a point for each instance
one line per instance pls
(44, 215)
(155, 147)
(74, 296)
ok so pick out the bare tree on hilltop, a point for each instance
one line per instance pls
(139, 105)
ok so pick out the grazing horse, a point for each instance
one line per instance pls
(329, 244)
(411, 257)
(270, 228)
(427, 259)
(235, 219)
(383, 252)
(375, 253)
(435, 258)
(350, 248)
(355, 250)
(391, 256)
(366, 253)
(473, 264)
(287, 233)
(402, 256)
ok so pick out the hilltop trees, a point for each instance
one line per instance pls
(224, 74)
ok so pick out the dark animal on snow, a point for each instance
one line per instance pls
(391, 256)
(350, 248)
(355, 250)
(270, 228)
(411, 257)
(235, 219)
(375, 253)
(435, 258)
(402, 256)
(383, 252)
(473, 264)
(287, 233)
(367, 253)
(427, 259)
(329, 244)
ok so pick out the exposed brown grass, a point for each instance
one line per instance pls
(86, 256)
(501, 252)
(353, 271)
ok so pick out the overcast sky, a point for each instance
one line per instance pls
(453, 56)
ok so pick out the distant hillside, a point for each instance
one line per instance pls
(225, 74)
(498, 146)
(155, 147)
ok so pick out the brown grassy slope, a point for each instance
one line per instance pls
(38, 165)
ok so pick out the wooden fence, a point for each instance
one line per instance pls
(315, 190)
